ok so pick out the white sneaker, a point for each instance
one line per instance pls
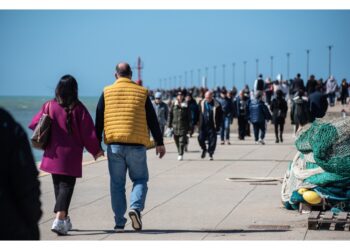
(262, 142)
(59, 227)
(256, 143)
(68, 223)
(180, 158)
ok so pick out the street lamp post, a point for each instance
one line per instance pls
(223, 74)
(307, 63)
(271, 58)
(330, 60)
(233, 73)
(191, 85)
(214, 75)
(288, 56)
(199, 77)
(244, 72)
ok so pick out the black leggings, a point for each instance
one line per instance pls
(64, 187)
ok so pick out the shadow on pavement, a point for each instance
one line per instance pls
(78, 232)
(230, 231)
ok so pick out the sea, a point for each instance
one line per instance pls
(23, 109)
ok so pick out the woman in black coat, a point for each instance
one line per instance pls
(279, 110)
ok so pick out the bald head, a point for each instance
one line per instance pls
(123, 70)
(208, 96)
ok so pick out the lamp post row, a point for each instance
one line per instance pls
(288, 54)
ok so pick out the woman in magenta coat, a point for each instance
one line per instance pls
(72, 130)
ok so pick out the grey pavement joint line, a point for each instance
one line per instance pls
(239, 203)
(190, 187)
(178, 194)
(104, 196)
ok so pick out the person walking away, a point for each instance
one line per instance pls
(162, 111)
(72, 130)
(311, 85)
(242, 111)
(194, 109)
(268, 90)
(227, 112)
(300, 114)
(259, 84)
(344, 94)
(125, 113)
(180, 121)
(19, 185)
(258, 115)
(331, 88)
(209, 124)
(317, 103)
(297, 84)
(279, 110)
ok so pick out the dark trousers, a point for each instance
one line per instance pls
(64, 187)
(279, 125)
(242, 126)
(259, 127)
(180, 141)
(210, 135)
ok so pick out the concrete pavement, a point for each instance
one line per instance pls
(191, 199)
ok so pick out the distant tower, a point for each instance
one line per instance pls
(139, 68)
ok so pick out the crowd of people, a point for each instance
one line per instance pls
(182, 110)
(125, 117)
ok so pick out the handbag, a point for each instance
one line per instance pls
(42, 131)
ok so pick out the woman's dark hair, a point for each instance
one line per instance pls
(66, 95)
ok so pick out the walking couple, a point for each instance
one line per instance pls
(124, 114)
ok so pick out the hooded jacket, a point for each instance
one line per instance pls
(180, 118)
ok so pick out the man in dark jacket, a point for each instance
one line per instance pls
(209, 123)
(279, 108)
(227, 112)
(19, 185)
(311, 85)
(258, 115)
(298, 84)
(194, 109)
(318, 104)
(161, 110)
(242, 112)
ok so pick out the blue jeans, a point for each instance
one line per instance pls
(120, 159)
(331, 97)
(225, 128)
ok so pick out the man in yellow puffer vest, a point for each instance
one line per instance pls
(125, 113)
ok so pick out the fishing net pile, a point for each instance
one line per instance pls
(320, 171)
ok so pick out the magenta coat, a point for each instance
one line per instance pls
(64, 153)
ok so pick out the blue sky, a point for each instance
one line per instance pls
(38, 47)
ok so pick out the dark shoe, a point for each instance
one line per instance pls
(228, 143)
(204, 152)
(222, 143)
(281, 139)
(211, 157)
(135, 217)
(277, 141)
(119, 229)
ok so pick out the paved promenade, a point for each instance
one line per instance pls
(191, 199)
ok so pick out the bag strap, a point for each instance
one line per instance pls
(48, 108)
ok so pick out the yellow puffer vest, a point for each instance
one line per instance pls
(125, 115)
